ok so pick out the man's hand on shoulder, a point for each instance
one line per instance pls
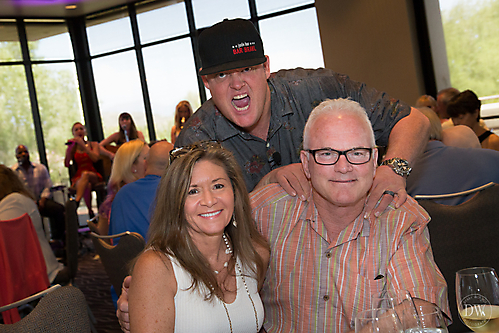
(291, 178)
(385, 183)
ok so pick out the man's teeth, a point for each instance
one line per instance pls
(240, 96)
(237, 98)
(210, 214)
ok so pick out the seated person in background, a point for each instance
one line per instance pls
(132, 206)
(183, 112)
(36, 178)
(84, 154)
(464, 109)
(127, 132)
(328, 256)
(205, 261)
(427, 101)
(442, 169)
(129, 165)
(15, 201)
(460, 136)
(443, 98)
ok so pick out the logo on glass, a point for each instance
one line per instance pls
(476, 311)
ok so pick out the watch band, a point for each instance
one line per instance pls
(399, 166)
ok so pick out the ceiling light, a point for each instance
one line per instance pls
(69, 7)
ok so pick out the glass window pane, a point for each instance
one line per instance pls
(110, 35)
(118, 88)
(60, 106)
(49, 41)
(15, 115)
(265, 7)
(162, 23)
(10, 48)
(209, 12)
(171, 77)
(292, 40)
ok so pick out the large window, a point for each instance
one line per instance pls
(146, 76)
(471, 39)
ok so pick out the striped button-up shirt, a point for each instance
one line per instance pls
(317, 284)
(36, 179)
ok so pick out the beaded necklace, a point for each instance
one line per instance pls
(229, 250)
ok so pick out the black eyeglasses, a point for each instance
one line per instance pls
(203, 145)
(330, 156)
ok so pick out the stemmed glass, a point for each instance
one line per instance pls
(477, 296)
(382, 320)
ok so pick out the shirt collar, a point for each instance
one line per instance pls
(360, 227)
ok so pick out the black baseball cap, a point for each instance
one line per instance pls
(228, 45)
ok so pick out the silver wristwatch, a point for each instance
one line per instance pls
(399, 166)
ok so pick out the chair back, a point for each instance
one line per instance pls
(62, 310)
(22, 266)
(116, 258)
(464, 236)
(72, 238)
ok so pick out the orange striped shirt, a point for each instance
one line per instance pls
(315, 284)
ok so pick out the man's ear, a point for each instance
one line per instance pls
(205, 81)
(266, 67)
(304, 162)
(375, 160)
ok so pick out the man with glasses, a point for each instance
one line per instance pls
(260, 116)
(328, 259)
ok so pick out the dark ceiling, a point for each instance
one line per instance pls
(54, 8)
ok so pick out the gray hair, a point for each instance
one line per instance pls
(336, 107)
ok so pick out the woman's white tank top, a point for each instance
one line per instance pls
(194, 314)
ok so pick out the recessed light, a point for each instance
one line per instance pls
(69, 7)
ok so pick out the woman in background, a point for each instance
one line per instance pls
(183, 111)
(205, 260)
(128, 166)
(464, 109)
(83, 154)
(15, 201)
(127, 132)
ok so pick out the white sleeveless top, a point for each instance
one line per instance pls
(194, 314)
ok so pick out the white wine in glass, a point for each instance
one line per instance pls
(477, 296)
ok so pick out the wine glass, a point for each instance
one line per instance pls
(383, 320)
(477, 296)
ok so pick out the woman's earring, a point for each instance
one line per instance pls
(234, 223)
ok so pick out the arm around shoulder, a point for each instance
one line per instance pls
(151, 294)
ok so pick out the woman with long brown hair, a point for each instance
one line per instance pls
(126, 133)
(205, 260)
(84, 154)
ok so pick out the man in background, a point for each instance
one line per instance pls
(132, 205)
(443, 98)
(37, 179)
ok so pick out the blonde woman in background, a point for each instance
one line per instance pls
(183, 111)
(128, 166)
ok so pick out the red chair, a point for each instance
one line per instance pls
(22, 266)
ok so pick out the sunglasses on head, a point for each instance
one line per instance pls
(200, 145)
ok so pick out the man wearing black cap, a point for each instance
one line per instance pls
(260, 116)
